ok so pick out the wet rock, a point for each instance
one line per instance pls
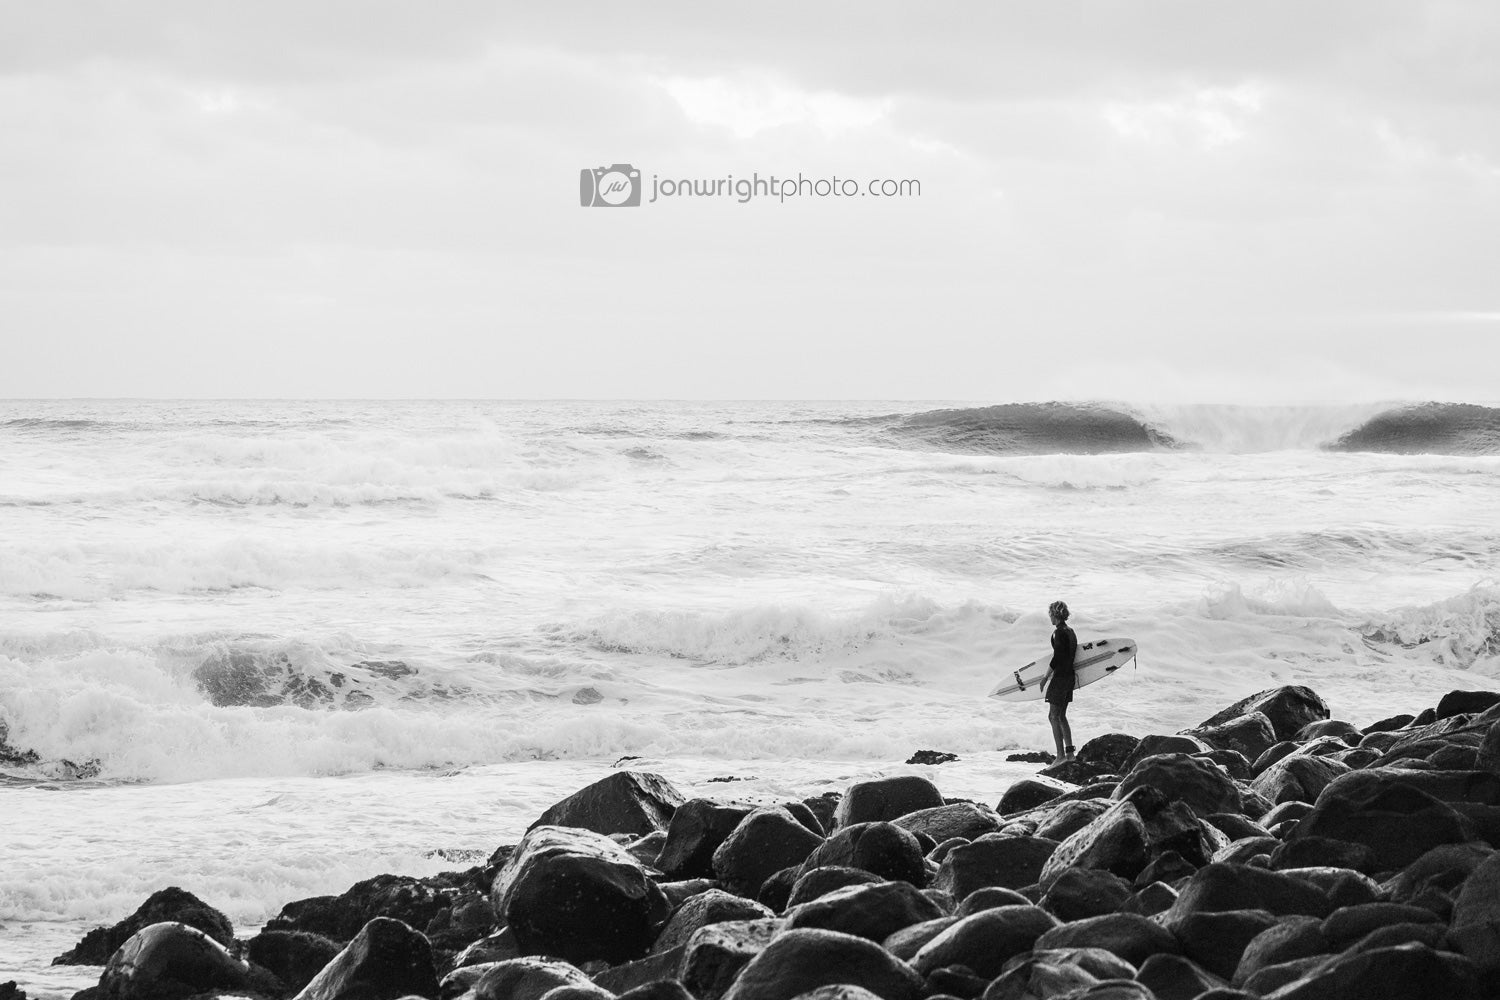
(1388, 724)
(801, 960)
(1280, 751)
(1340, 886)
(874, 912)
(969, 820)
(988, 898)
(1287, 708)
(712, 907)
(1289, 939)
(1217, 940)
(1068, 818)
(764, 842)
(716, 954)
(399, 897)
(167, 960)
(1220, 887)
(1202, 786)
(1344, 927)
(1241, 852)
(840, 991)
(1173, 827)
(879, 847)
(660, 989)
(932, 757)
(1008, 862)
(820, 881)
(1297, 778)
(1174, 977)
(1115, 842)
(1336, 728)
(1028, 793)
(1432, 935)
(1397, 822)
(985, 941)
(294, 957)
(1476, 915)
(905, 943)
(384, 961)
(1233, 762)
(1078, 893)
(1073, 772)
(1487, 754)
(629, 975)
(166, 905)
(885, 799)
(1168, 867)
(1407, 971)
(1312, 852)
(633, 802)
(1250, 735)
(1108, 752)
(1466, 703)
(529, 978)
(1445, 867)
(776, 891)
(1129, 936)
(1149, 900)
(496, 947)
(1285, 813)
(578, 895)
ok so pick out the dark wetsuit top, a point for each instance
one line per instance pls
(1064, 650)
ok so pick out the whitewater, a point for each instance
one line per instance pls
(264, 649)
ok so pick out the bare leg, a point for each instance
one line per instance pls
(1057, 717)
(1066, 732)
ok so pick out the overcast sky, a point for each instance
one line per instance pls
(1145, 201)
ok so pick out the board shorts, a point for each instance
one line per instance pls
(1060, 688)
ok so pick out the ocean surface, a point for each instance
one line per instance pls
(264, 649)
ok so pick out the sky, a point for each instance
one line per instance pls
(1147, 201)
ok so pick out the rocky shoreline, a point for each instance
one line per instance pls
(1269, 852)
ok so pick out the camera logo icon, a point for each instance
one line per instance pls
(617, 186)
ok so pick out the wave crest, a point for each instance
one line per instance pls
(1428, 428)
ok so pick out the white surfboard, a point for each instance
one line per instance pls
(1095, 660)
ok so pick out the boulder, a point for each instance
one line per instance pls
(1175, 977)
(1168, 867)
(1172, 826)
(1149, 900)
(1008, 862)
(1068, 818)
(986, 941)
(578, 895)
(988, 898)
(1279, 751)
(167, 960)
(496, 947)
(874, 912)
(1476, 915)
(1115, 841)
(696, 830)
(633, 802)
(412, 901)
(801, 960)
(823, 880)
(969, 820)
(1289, 939)
(1200, 785)
(1217, 940)
(1487, 754)
(527, 978)
(294, 957)
(764, 842)
(1336, 728)
(1444, 867)
(879, 847)
(660, 989)
(1108, 753)
(905, 943)
(1221, 887)
(1298, 778)
(1241, 851)
(1151, 746)
(384, 961)
(712, 907)
(1396, 821)
(1466, 703)
(1287, 708)
(1129, 936)
(885, 799)
(1236, 827)
(1404, 972)
(1345, 926)
(1250, 734)
(1313, 852)
(1028, 793)
(1233, 762)
(165, 905)
(716, 954)
(1078, 893)
(1340, 886)
(776, 891)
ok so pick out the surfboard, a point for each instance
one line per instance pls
(1095, 661)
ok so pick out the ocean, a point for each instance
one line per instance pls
(263, 649)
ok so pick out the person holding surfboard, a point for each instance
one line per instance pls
(1060, 679)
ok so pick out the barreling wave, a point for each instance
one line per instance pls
(1428, 428)
(1032, 429)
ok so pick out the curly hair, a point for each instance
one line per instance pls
(1059, 609)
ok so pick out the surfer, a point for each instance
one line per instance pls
(1060, 679)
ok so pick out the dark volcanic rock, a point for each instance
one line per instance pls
(969, 820)
(1314, 852)
(712, 907)
(294, 957)
(1287, 708)
(885, 799)
(879, 847)
(1466, 703)
(1221, 887)
(1028, 793)
(1443, 868)
(528, 978)
(1250, 735)
(1336, 728)
(715, 955)
(1397, 822)
(868, 911)
(1008, 862)
(1202, 786)
(386, 960)
(905, 943)
(776, 891)
(1405, 972)
(823, 880)
(1476, 915)
(1108, 752)
(988, 898)
(1115, 842)
(170, 904)
(1174, 977)
(1129, 936)
(1291, 938)
(1067, 818)
(1297, 777)
(578, 895)
(170, 959)
(801, 960)
(932, 757)
(985, 941)
(1155, 744)
(1084, 892)
(765, 842)
(1217, 940)
(661, 989)
(634, 802)
(696, 830)
(400, 897)
(1340, 886)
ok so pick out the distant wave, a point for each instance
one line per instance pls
(1428, 428)
(1031, 429)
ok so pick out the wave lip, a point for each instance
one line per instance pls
(1427, 428)
(1034, 429)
